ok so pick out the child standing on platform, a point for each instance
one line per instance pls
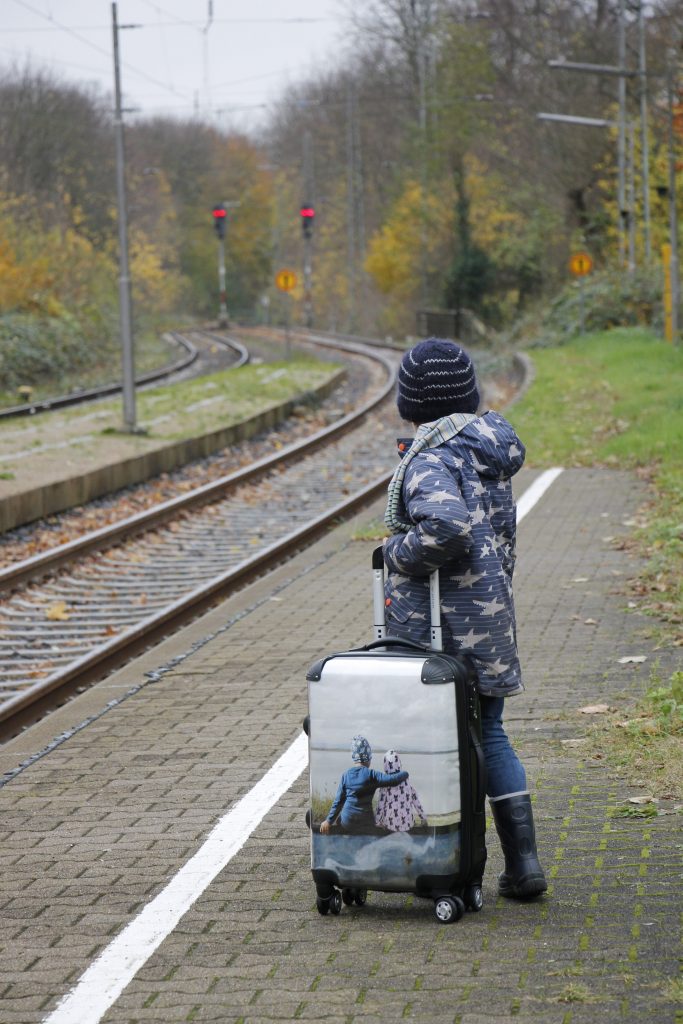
(450, 507)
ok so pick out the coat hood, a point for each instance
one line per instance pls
(490, 445)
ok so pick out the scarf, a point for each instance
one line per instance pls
(429, 435)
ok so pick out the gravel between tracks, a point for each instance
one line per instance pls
(43, 534)
(23, 542)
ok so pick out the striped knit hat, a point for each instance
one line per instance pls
(436, 378)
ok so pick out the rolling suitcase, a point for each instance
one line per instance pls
(404, 708)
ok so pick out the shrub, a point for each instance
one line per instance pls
(610, 299)
(33, 349)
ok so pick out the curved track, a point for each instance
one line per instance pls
(112, 593)
(193, 342)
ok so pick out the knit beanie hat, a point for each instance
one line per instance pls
(436, 378)
(361, 750)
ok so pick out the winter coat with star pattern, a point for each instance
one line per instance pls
(458, 496)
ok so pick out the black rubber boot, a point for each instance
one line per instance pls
(523, 878)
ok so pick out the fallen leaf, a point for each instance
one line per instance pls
(57, 612)
(590, 622)
(642, 800)
(580, 579)
(595, 709)
(632, 659)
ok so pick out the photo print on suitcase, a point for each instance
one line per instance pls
(384, 774)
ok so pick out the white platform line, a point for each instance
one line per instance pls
(106, 978)
(113, 970)
(535, 492)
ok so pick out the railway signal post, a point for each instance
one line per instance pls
(307, 218)
(219, 218)
(580, 265)
(286, 280)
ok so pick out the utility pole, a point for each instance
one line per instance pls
(359, 179)
(350, 211)
(624, 214)
(673, 215)
(631, 196)
(644, 140)
(127, 347)
(423, 28)
(205, 55)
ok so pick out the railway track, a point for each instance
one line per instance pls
(74, 612)
(196, 344)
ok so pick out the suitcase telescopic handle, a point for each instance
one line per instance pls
(393, 641)
(379, 615)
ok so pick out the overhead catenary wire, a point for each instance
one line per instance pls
(75, 33)
(176, 23)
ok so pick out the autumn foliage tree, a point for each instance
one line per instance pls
(59, 236)
(434, 182)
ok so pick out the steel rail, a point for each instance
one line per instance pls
(33, 702)
(47, 561)
(36, 699)
(150, 377)
(242, 350)
(30, 704)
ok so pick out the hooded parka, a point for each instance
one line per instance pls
(458, 498)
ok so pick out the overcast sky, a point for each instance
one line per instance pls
(177, 62)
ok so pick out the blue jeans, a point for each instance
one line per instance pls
(505, 770)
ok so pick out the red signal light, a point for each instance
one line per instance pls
(307, 211)
(219, 220)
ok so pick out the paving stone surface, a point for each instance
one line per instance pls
(96, 827)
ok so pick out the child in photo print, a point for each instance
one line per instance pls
(352, 809)
(398, 807)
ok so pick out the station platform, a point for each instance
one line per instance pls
(104, 802)
(58, 460)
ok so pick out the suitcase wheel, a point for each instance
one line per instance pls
(306, 725)
(448, 909)
(329, 905)
(473, 898)
(357, 896)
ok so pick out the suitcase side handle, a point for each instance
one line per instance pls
(379, 615)
(481, 766)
